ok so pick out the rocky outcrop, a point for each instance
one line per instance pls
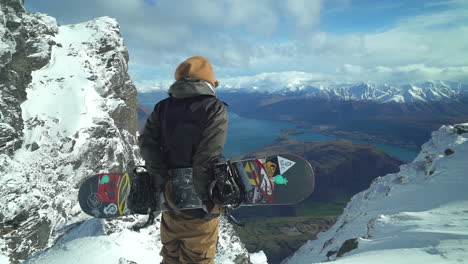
(68, 110)
(25, 46)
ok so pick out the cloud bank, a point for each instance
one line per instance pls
(251, 37)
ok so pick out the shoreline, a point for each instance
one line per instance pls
(332, 131)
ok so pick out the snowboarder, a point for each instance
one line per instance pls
(188, 129)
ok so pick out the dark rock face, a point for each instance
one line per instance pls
(21, 38)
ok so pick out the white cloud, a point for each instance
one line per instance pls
(241, 36)
(411, 73)
(153, 85)
(305, 12)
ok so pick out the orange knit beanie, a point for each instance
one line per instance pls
(198, 68)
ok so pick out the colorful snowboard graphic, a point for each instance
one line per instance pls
(107, 195)
(273, 180)
(276, 180)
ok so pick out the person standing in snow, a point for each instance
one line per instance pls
(188, 129)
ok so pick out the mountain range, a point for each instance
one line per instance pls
(427, 91)
(403, 115)
(297, 84)
(404, 124)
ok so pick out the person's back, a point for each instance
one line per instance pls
(188, 129)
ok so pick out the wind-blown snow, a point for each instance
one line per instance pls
(419, 215)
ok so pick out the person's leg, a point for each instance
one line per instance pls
(200, 243)
(171, 245)
(187, 239)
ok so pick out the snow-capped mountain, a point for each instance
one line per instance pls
(418, 215)
(309, 85)
(306, 85)
(68, 111)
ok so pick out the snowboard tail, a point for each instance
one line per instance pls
(105, 195)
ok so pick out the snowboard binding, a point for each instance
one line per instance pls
(227, 188)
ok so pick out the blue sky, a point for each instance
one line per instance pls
(336, 40)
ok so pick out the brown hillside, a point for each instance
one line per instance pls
(340, 166)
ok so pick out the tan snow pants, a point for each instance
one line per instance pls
(188, 240)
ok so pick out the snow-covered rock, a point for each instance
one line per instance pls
(418, 215)
(68, 111)
(72, 125)
(25, 46)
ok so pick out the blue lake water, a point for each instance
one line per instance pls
(248, 135)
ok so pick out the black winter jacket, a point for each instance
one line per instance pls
(188, 129)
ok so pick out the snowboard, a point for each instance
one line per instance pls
(282, 179)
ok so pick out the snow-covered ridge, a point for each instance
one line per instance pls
(77, 117)
(418, 215)
(73, 119)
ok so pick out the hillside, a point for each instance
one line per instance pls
(417, 215)
(340, 166)
(342, 169)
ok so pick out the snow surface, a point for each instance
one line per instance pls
(418, 215)
(88, 243)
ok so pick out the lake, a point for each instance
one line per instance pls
(248, 135)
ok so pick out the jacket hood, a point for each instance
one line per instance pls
(186, 88)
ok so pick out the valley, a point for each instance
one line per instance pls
(339, 138)
(402, 124)
(342, 169)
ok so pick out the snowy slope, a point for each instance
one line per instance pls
(419, 215)
(88, 243)
(78, 118)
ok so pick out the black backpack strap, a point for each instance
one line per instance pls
(148, 222)
(141, 198)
